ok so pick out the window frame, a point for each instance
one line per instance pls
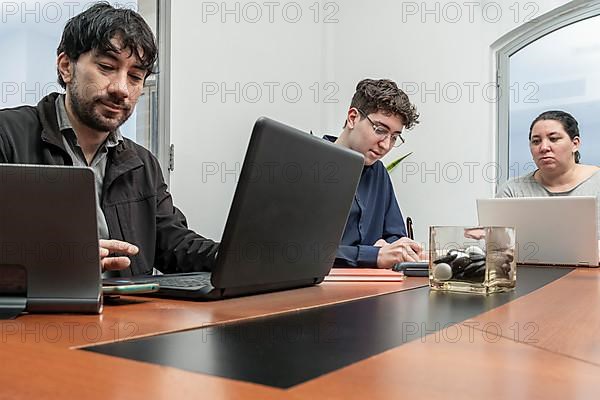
(570, 13)
(165, 156)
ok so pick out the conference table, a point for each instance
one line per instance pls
(336, 340)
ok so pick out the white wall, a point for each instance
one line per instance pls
(211, 132)
(444, 52)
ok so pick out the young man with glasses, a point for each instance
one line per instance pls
(375, 235)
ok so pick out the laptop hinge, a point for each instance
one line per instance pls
(11, 307)
(13, 290)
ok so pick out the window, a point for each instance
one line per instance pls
(553, 66)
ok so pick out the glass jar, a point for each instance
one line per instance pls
(474, 260)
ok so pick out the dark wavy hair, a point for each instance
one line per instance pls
(94, 28)
(568, 122)
(374, 95)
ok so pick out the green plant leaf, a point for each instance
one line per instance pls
(397, 161)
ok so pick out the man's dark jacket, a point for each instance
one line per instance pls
(137, 206)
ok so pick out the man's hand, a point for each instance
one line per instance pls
(403, 249)
(115, 262)
(380, 243)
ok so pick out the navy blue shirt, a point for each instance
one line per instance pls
(374, 215)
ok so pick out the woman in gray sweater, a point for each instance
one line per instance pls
(554, 144)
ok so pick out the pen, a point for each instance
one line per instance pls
(409, 228)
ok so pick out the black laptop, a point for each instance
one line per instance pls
(49, 260)
(287, 217)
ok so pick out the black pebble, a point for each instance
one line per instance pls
(459, 265)
(479, 272)
(473, 267)
(476, 257)
(445, 259)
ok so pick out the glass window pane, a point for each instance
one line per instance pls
(556, 72)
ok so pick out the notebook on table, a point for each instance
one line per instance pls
(548, 230)
(286, 219)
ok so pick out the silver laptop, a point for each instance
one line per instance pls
(549, 230)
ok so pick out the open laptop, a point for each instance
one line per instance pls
(548, 230)
(49, 260)
(287, 217)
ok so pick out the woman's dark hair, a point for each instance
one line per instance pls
(94, 29)
(568, 122)
(384, 95)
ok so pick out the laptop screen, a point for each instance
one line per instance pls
(289, 209)
(549, 230)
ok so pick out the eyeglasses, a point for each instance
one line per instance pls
(382, 132)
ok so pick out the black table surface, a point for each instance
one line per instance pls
(289, 349)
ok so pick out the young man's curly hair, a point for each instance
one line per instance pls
(373, 95)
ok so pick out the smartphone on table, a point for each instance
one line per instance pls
(418, 268)
(135, 288)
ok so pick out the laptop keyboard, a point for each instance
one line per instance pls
(192, 280)
(184, 281)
